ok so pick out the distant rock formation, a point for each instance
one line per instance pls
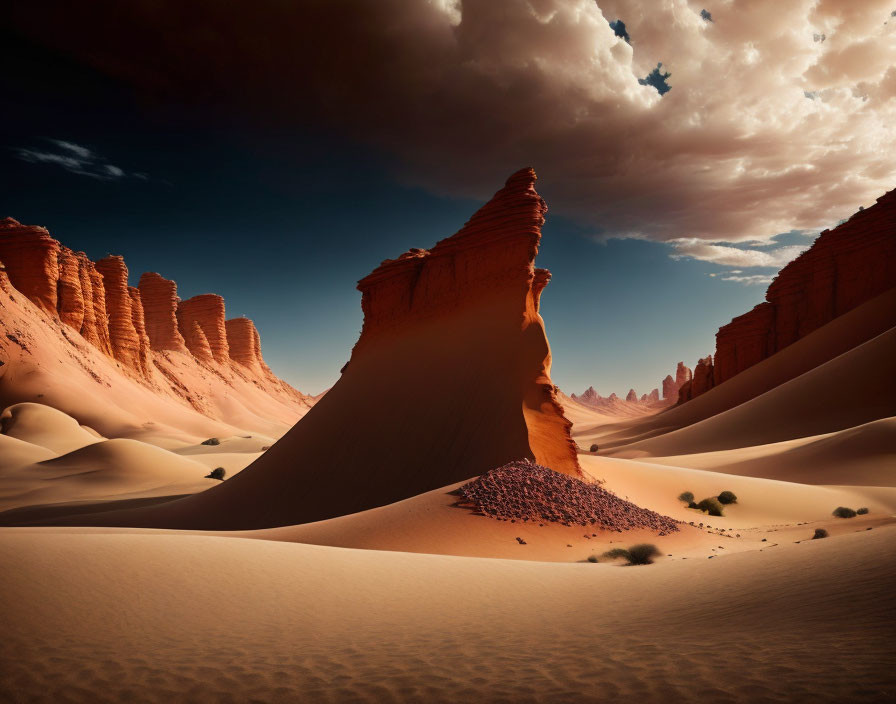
(701, 382)
(458, 323)
(160, 301)
(589, 397)
(653, 396)
(244, 343)
(631, 397)
(845, 267)
(138, 327)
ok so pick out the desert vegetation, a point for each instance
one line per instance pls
(211, 441)
(712, 506)
(820, 533)
(727, 497)
(862, 511)
(217, 473)
(843, 512)
(635, 555)
(593, 448)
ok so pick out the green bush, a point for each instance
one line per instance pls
(217, 473)
(636, 554)
(862, 511)
(211, 441)
(711, 506)
(727, 497)
(820, 533)
(843, 512)
(686, 496)
(593, 448)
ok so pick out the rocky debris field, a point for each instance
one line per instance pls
(524, 491)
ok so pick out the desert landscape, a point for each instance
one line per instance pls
(442, 522)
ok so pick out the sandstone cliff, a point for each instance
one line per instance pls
(206, 311)
(845, 267)
(139, 328)
(458, 323)
(159, 296)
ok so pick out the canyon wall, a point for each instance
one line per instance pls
(845, 267)
(170, 347)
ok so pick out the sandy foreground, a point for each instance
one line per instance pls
(106, 615)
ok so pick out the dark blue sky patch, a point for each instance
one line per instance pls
(619, 28)
(657, 79)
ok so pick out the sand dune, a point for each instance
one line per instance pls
(850, 390)
(41, 425)
(109, 469)
(323, 624)
(864, 456)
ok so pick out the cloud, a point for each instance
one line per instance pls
(77, 159)
(730, 255)
(751, 280)
(457, 95)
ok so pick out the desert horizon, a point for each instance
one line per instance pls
(619, 423)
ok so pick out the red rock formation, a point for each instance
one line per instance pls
(672, 387)
(70, 300)
(631, 397)
(127, 345)
(701, 382)
(5, 284)
(31, 259)
(459, 323)
(140, 328)
(589, 397)
(653, 396)
(683, 374)
(846, 266)
(208, 311)
(159, 296)
(197, 343)
(245, 344)
(95, 328)
(670, 391)
(643, 398)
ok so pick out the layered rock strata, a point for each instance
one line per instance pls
(206, 310)
(845, 267)
(124, 322)
(159, 296)
(458, 323)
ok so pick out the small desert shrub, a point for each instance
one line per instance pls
(593, 448)
(686, 496)
(211, 441)
(592, 558)
(692, 504)
(727, 497)
(711, 506)
(265, 448)
(820, 533)
(862, 511)
(636, 554)
(843, 512)
(217, 473)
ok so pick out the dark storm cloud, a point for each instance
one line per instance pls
(459, 94)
